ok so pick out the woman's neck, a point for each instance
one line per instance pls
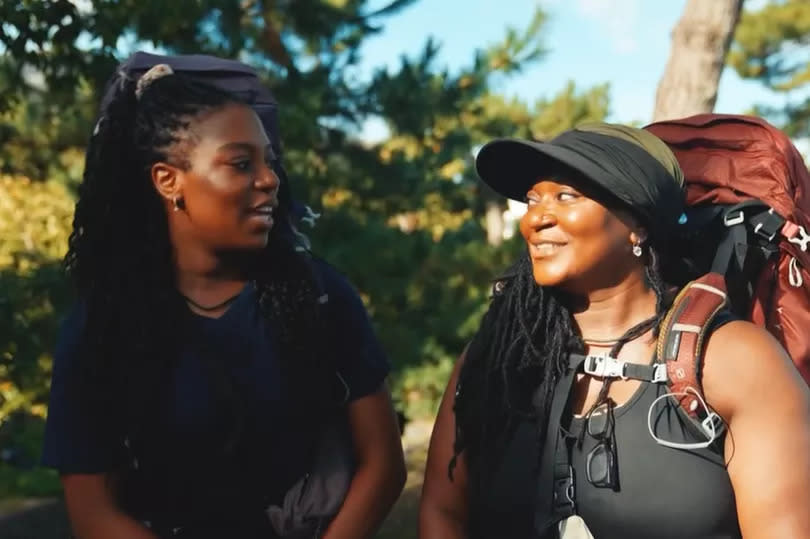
(608, 313)
(202, 274)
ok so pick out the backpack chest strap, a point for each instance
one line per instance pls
(605, 366)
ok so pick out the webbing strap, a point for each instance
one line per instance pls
(750, 214)
(605, 366)
(655, 373)
(734, 245)
(556, 498)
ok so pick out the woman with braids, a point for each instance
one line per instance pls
(529, 444)
(207, 348)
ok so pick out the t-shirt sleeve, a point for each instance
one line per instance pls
(359, 355)
(73, 442)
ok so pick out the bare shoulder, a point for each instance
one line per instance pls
(741, 335)
(744, 362)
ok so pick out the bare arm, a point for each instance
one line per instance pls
(443, 508)
(380, 473)
(753, 384)
(93, 513)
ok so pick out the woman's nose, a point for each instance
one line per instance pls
(268, 179)
(540, 216)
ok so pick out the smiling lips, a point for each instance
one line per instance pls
(545, 248)
(263, 211)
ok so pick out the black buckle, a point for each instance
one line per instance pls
(564, 487)
(768, 225)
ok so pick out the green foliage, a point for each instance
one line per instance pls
(33, 482)
(42, 139)
(403, 218)
(568, 109)
(772, 45)
(34, 224)
(21, 440)
(35, 221)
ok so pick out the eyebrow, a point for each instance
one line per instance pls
(244, 146)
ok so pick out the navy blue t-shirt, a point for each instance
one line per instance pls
(194, 473)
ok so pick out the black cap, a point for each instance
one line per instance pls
(625, 170)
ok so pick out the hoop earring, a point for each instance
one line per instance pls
(637, 252)
(177, 203)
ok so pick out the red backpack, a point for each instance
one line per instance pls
(746, 231)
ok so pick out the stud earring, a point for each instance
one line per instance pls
(637, 252)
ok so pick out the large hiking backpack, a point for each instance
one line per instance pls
(746, 234)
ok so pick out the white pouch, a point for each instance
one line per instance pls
(574, 527)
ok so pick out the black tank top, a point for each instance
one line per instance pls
(663, 493)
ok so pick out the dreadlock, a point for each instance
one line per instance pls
(120, 260)
(522, 347)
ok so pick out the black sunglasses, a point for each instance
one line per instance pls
(601, 467)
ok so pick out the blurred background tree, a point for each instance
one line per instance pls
(700, 43)
(404, 217)
(772, 45)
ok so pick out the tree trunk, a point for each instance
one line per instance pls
(700, 42)
(494, 222)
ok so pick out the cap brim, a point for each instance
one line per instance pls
(512, 166)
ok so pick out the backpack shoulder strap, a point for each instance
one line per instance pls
(681, 341)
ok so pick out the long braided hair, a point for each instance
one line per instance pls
(120, 260)
(522, 346)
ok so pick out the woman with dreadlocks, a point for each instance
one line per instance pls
(207, 349)
(535, 437)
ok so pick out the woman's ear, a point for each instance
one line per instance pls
(167, 181)
(638, 237)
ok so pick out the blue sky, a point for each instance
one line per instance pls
(623, 42)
